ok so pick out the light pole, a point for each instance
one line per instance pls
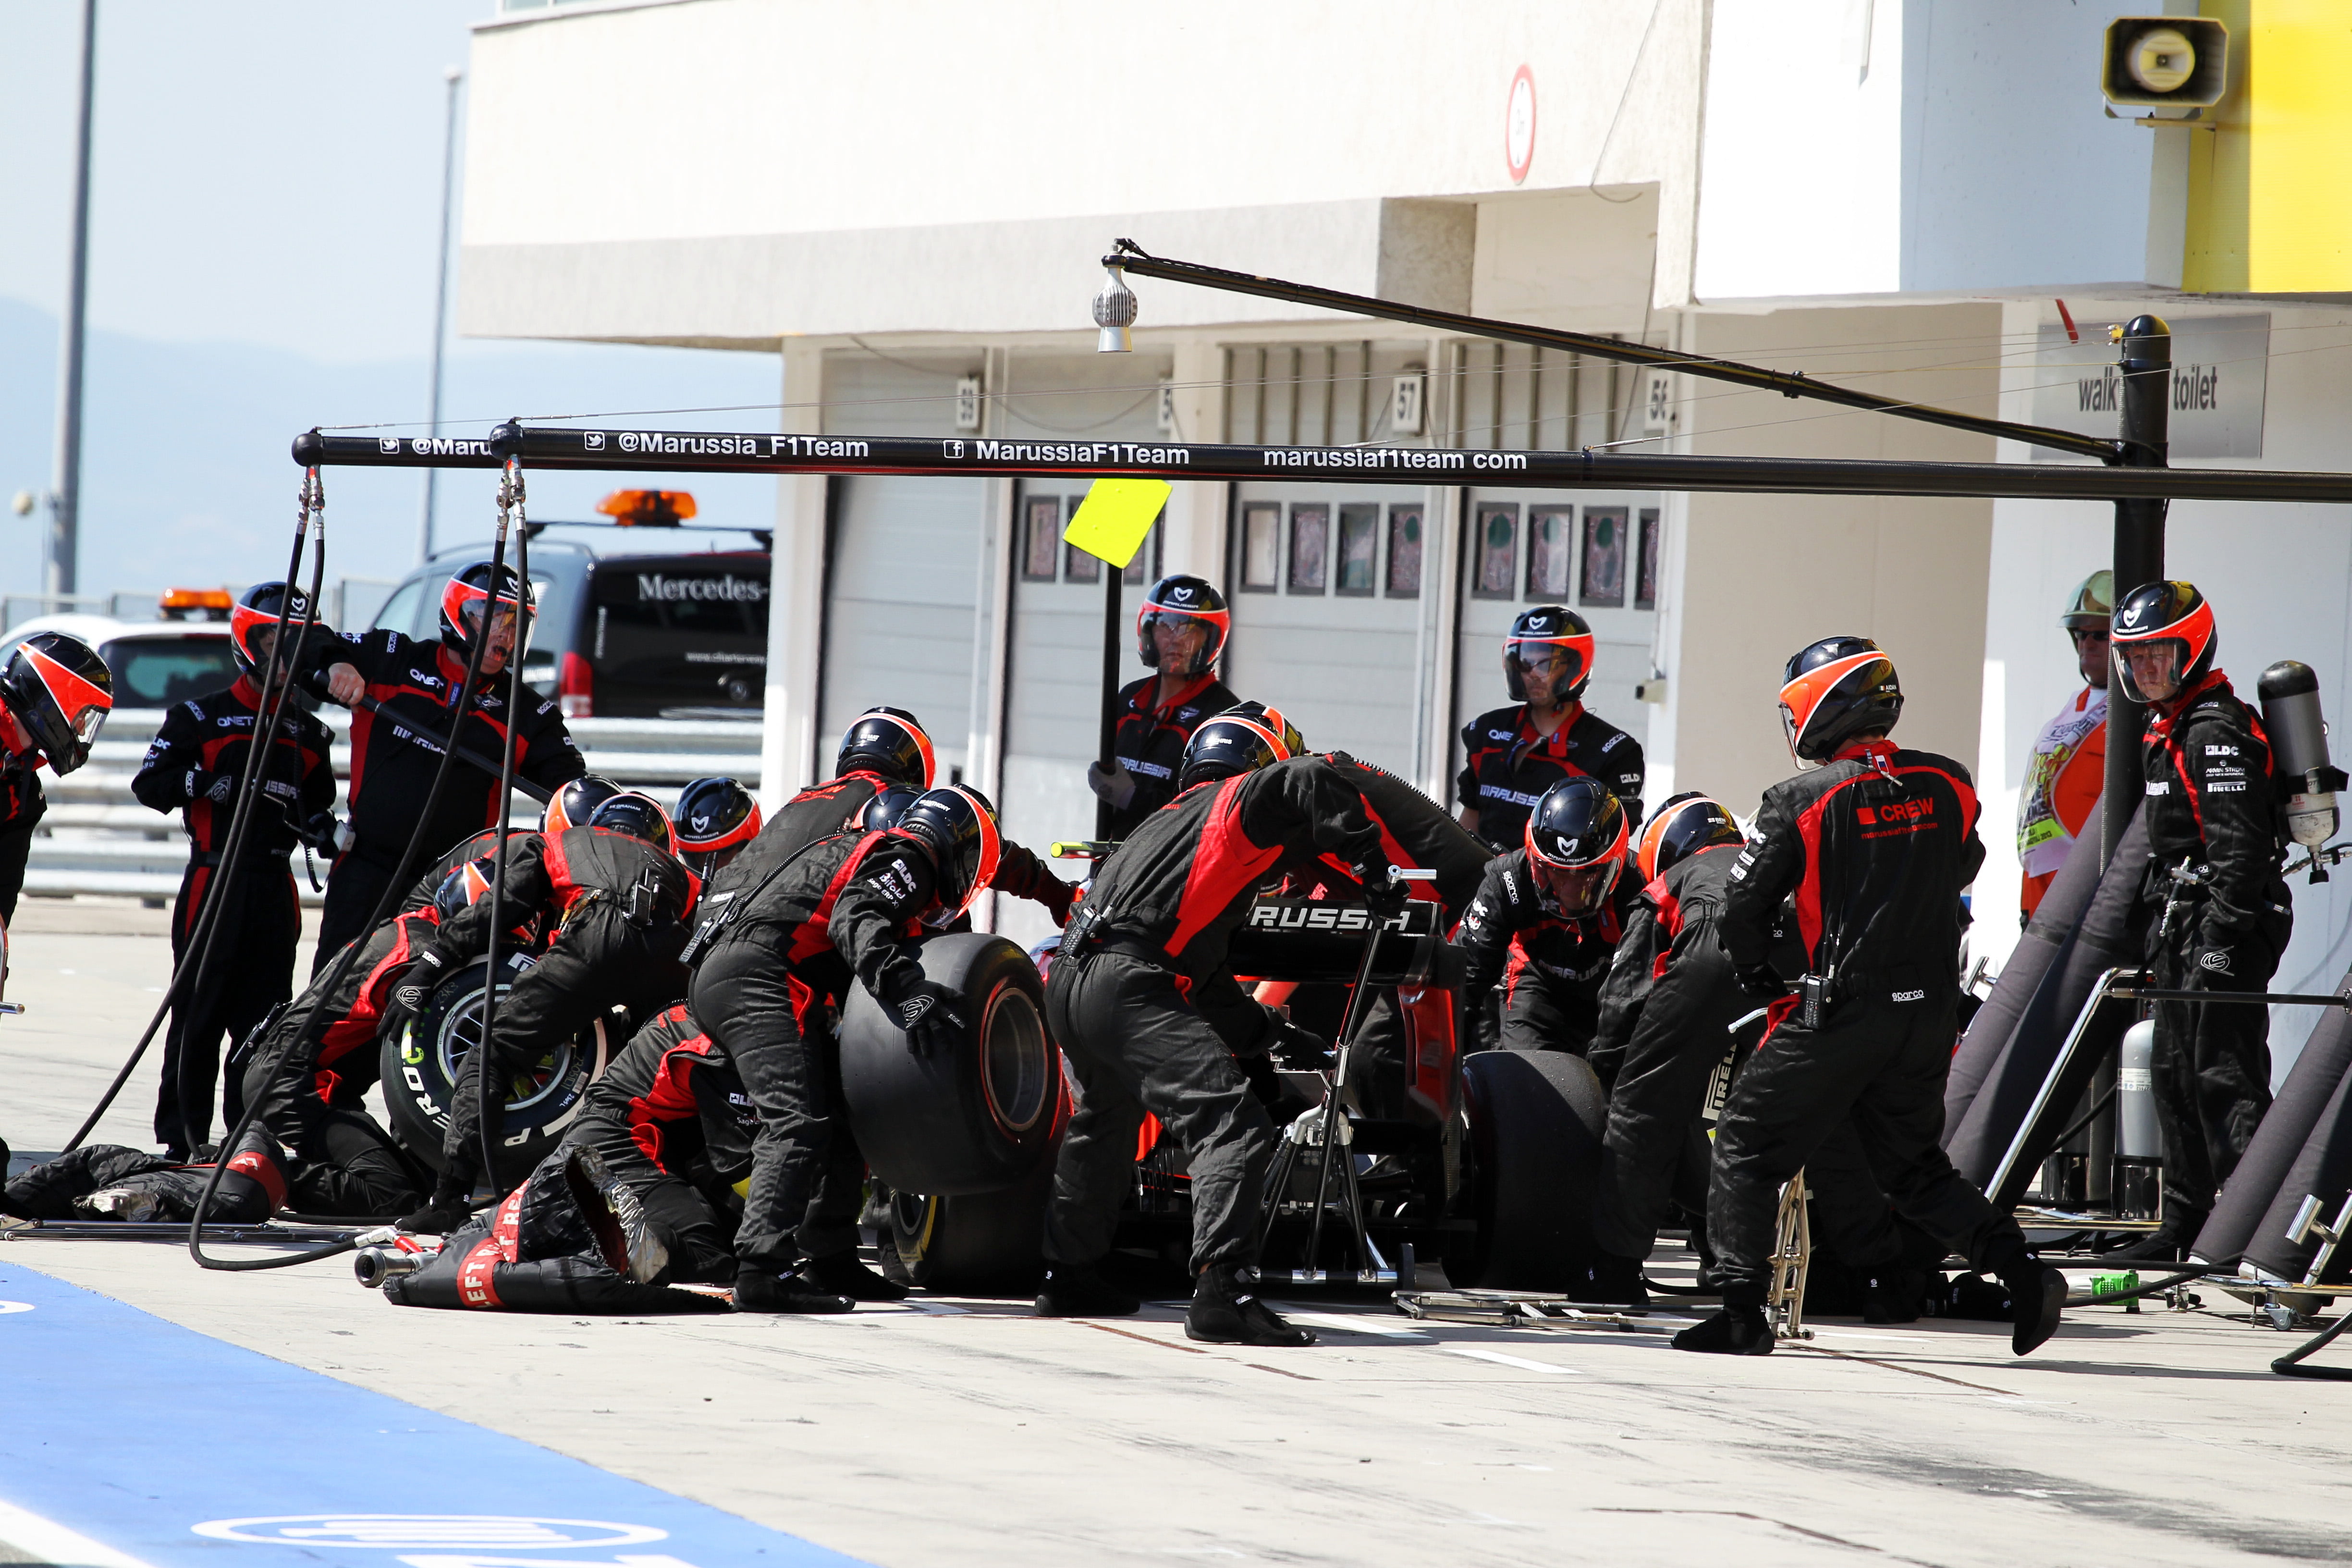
(453, 77)
(62, 547)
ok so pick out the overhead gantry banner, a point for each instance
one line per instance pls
(739, 452)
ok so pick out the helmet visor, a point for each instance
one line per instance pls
(1575, 890)
(86, 721)
(1545, 662)
(2150, 671)
(1181, 636)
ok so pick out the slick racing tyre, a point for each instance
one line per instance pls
(1536, 1123)
(976, 1244)
(976, 1119)
(420, 1073)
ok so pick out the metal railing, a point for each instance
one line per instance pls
(98, 838)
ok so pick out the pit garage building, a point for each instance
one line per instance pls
(1929, 200)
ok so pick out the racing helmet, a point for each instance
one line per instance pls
(2162, 615)
(958, 826)
(1183, 599)
(462, 598)
(258, 610)
(59, 691)
(1240, 740)
(573, 803)
(716, 817)
(1577, 837)
(639, 816)
(1684, 826)
(887, 741)
(1543, 634)
(461, 887)
(887, 807)
(1837, 688)
(2092, 604)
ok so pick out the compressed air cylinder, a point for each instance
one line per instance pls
(2140, 1141)
(2291, 715)
(2137, 1134)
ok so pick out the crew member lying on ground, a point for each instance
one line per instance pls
(1548, 918)
(1143, 1003)
(671, 1120)
(772, 962)
(617, 902)
(108, 1182)
(572, 1238)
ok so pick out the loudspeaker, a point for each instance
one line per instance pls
(2166, 62)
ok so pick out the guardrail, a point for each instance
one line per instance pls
(98, 838)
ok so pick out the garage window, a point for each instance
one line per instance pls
(1042, 539)
(1261, 547)
(1646, 576)
(1552, 534)
(1310, 546)
(1405, 553)
(1498, 553)
(1604, 558)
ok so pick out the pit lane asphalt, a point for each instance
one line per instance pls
(960, 1432)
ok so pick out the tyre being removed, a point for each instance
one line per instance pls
(978, 1119)
(1536, 1124)
(421, 1062)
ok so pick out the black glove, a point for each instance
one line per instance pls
(218, 788)
(929, 1013)
(318, 833)
(445, 1212)
(412, 990)
(1302, 1050)
(1762, 982)
(1265, 1085)
(1385, 893)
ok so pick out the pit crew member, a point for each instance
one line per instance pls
(1180, 633)
(1512, 755)
(55, 692)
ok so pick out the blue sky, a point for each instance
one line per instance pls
(265, 183)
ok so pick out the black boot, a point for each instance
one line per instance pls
(1076, 1290)
(1225, 1311)
(444, 1214)
(842, 1274)
(2037, 1296)
(1612, 1281)
(757, 1290)
(2168, 1244)
(1893, 1294)
(1735, 1331)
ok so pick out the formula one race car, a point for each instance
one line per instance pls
(1484, 1160)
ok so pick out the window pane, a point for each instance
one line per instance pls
(1077, 566)
(1498, 574)
(1645, 583)
(1359, 549)
(1404, 551)
(1044, 533)
(1310, 546)
(1604, 557)
(1261, 547)
(1550, 532)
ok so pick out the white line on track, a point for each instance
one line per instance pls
(53, 1544)
(1500, 1359)
(1340, 1322)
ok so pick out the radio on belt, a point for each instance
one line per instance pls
(2298, 732)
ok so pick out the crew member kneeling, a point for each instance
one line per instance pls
(1149, 1018)
(1876, 844)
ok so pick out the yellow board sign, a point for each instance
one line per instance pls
(1111, 523)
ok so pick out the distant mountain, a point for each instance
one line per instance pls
(185, 473)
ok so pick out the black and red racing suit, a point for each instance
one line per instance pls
(21, 805)
(195, 766)
(1874, 848)
(1550, 967)
(671, 1118)
(1507, 766)
(1143, 1002)
(1152, 736)
(393, 762)
(617, 907)
(780, 955)
(2210, 805)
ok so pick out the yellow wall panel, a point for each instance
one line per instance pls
(2299, 194)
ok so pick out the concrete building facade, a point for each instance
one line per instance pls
(1921, 197)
